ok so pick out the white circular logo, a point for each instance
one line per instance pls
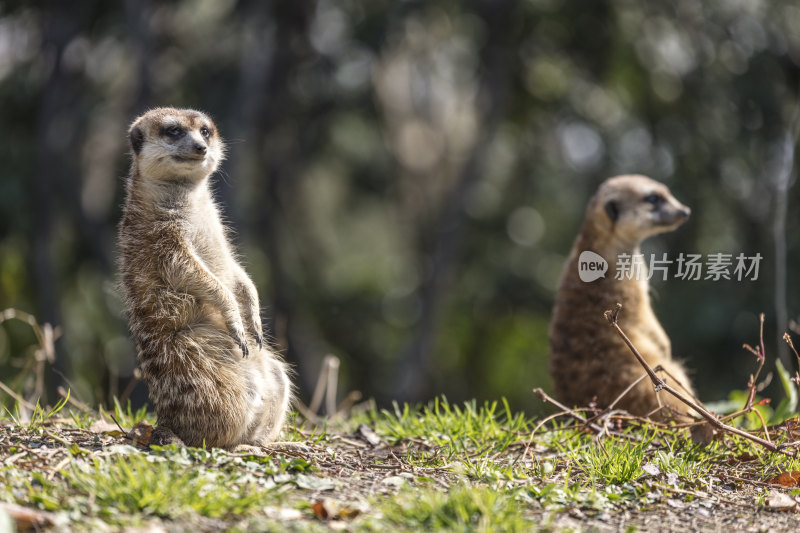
(591, 266)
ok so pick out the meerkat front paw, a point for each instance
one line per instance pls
(247, 297)
(255, 328)
(253, 319)
(236, 331)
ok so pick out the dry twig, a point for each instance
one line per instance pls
(46, 335)
(788, 340)
(660, 384)
(16, 396)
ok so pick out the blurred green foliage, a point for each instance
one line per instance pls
(405, 178)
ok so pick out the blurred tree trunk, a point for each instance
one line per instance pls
(258, 38)
(56, 170)
(781, 183)
(414, 383)
(137, 15)
(271, 124)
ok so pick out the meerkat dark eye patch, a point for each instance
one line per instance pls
(205, 132)
(137, 140)
(173, 132)
(612, 210)
(655, 199)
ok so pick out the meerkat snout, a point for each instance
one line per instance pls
(635, 208)
(188, 138)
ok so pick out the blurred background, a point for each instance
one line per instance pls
(405, 178)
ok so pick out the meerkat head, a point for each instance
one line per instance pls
(172, 144)
(632, 208)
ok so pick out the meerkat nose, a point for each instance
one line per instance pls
(684, 212)
(199, 148)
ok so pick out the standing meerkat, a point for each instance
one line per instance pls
(587, 358)
(193, 311)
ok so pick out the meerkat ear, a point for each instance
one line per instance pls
(137, 139)
(612, 210)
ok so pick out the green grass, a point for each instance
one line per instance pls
(454, 426)
(129, 486)
(38, 416)
(134, 484)
(613, 461)
(127, 417)
(462, 508)
(464, 439)
(443, 467)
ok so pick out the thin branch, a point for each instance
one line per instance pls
(565, 410)
(72, 400)
(627, 390)
(788, 340)
(129, 388)
(26, 404)
(574, 414)
(660, 384)
(323, 381)
(306, 413)
(332, 386)
(752, 384)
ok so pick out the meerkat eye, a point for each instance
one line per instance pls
(205, 132)
(173, 131)
(655, 199)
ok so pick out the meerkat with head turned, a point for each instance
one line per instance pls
(588, 360)
(193, 311)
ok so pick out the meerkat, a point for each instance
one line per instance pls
(588, 360)
(193, 311)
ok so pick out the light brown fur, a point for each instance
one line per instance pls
(194, 313)
(588, 360)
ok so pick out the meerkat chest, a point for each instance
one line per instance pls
(206, 235)
(650, 328)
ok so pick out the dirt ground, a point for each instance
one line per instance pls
(362, 472)
(354, 471)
